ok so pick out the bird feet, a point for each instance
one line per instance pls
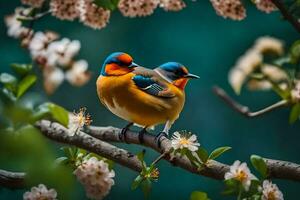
(158, 138)
(122, 135)
(141, 135)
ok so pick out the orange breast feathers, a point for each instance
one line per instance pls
(122, 97)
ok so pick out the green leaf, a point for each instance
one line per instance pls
(202, 154)
(136, 183)
(192, 158)
(284, 94)
(217, 152)
(53, 111)
(25, 84)
(295, 113)
(260, 165)
(141, 156)
(21, 69)
(196, 195)
(232, 187)
(282, 60)
(253, 189)
(295, 52)
(70, 152)
(146, 187)
(59, 114)
(61, 160)
(7, 95)
(9, 81)
(107, 4)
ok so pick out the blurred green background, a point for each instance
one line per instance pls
(208, 45)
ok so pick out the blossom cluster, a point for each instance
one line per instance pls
(253, 60)
(235, 10)
(40, 192)
(97, 17)
(96, 177)
(241, 173)
(54, 56)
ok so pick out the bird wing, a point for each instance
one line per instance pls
(149, 82)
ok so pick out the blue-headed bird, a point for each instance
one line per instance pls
(143, 96)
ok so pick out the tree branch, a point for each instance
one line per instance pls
(216, 170)
(59, 133)
(12, 179)
(244, 110)
(285, 13)
(93, 143)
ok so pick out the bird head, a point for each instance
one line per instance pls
(117, 64)
(175, 73)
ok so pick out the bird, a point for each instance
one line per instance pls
(142, 96)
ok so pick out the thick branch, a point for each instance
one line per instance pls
(244, 110)
(92, 142)
(12, 179)
(277, 169)
(288, 16)
(59, 133)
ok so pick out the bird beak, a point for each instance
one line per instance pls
(133, 65)
(192, 76)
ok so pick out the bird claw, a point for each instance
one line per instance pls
(141, 135)
(159, 136)
(124, 130)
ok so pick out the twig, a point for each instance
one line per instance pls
(216, 170)
(35, 17)
(244, 110)
(161, 156)
(288, 16)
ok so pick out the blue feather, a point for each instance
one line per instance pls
(148, 85)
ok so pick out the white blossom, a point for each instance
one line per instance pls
(96, 178)
(64, 9)
(137, 8)
(62, 52)
(172, 5)
(274, 73)
(232, 9)
(53, 77)
(270, 191)
(266, 6)
(33, 3)
(78, 120)
(244, 66)
(39, 193)
(240, 172)
(188, 141)
(92, 15)
(269, 44)
(14, 26)
(37, 45)
(78, 74)
(295, 92)
(259, 85)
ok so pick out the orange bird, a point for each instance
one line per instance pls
(143, 96)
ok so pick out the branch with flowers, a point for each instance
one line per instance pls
(89, 156)
(267, 66)
(182, 150)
